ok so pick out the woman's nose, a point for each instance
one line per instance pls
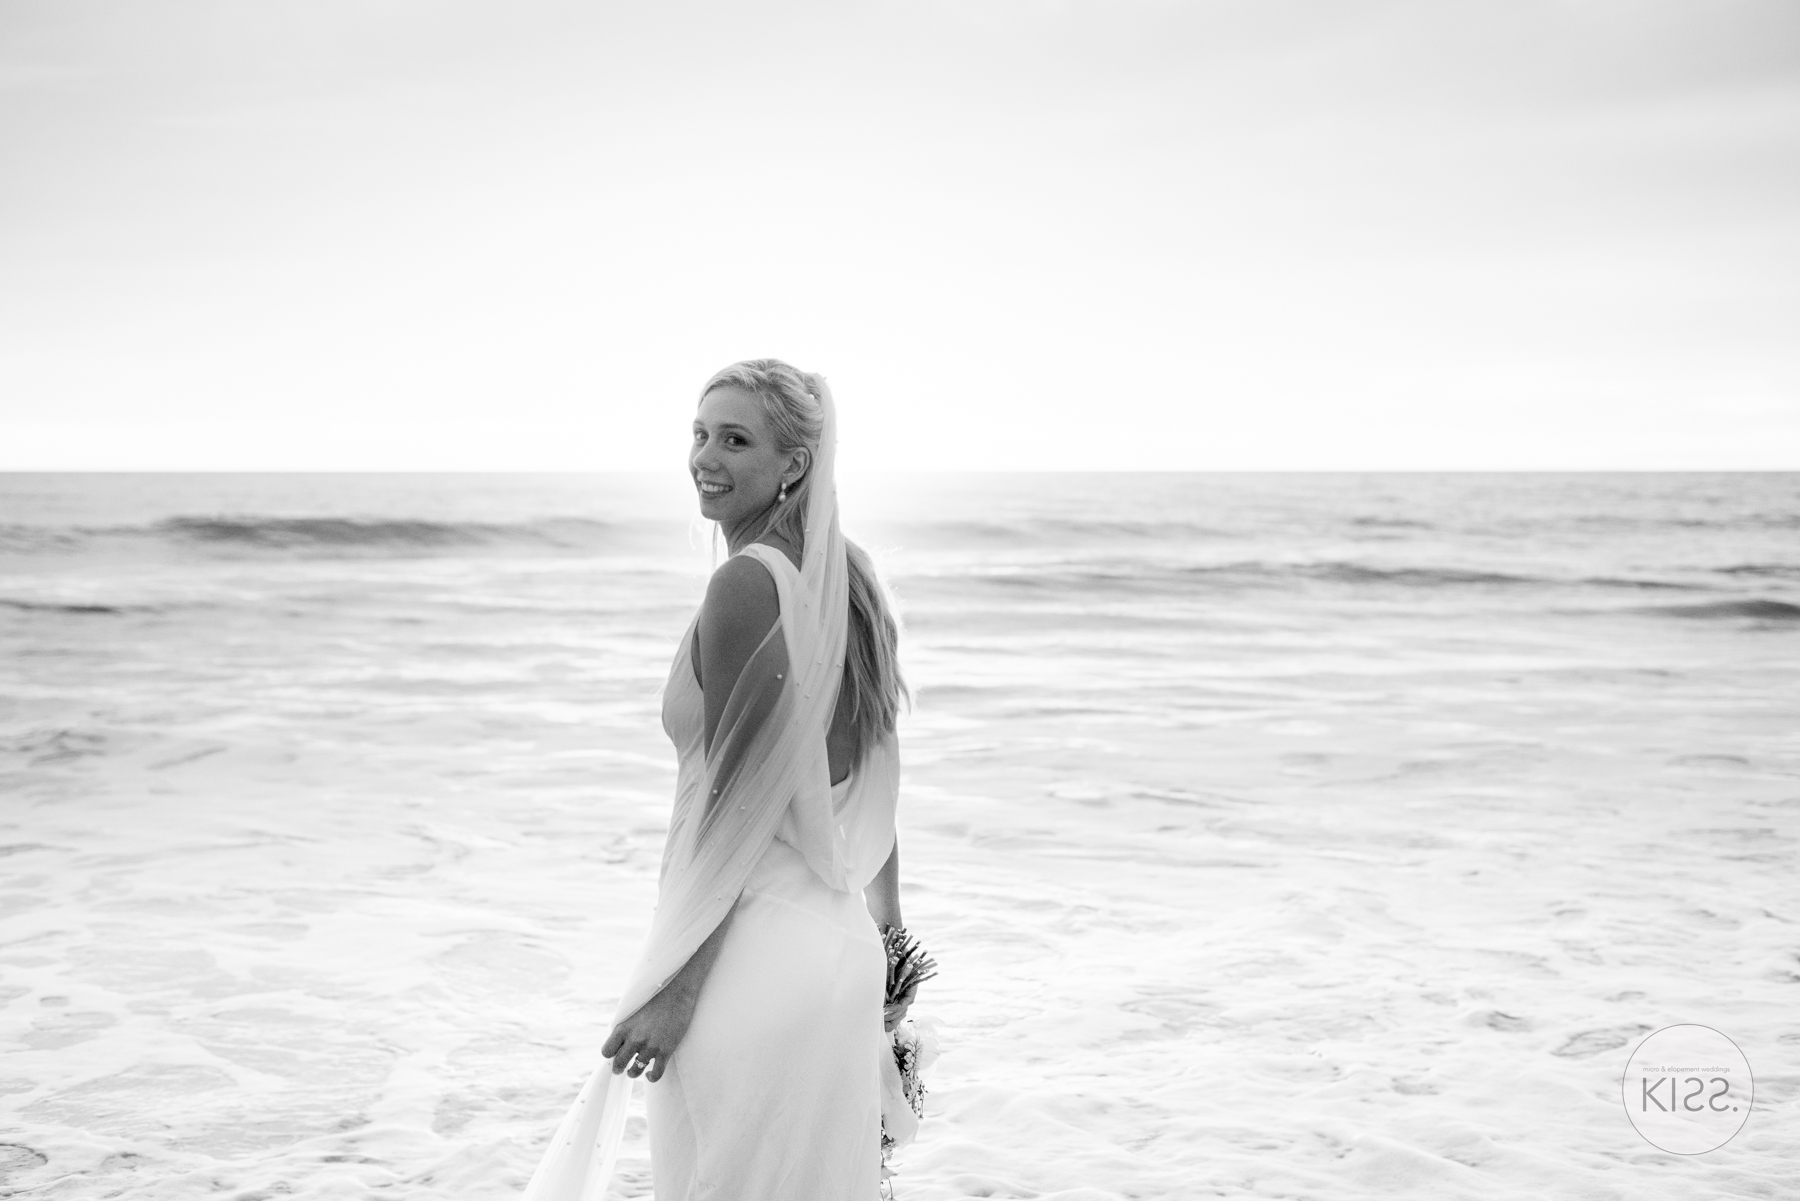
(703, 457)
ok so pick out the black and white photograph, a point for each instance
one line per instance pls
(1073, 600)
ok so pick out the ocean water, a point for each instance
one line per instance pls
(1277, 836)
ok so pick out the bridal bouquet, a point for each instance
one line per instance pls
(914, 1043)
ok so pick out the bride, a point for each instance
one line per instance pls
(756, 1011)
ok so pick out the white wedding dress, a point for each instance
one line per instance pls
(775, 1090)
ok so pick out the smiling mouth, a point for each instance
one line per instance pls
(707, 489)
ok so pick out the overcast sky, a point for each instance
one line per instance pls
(1044, 235)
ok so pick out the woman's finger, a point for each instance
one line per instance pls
(648, 1056)
(623, 1058)
(655, 1073)
(645, 1054)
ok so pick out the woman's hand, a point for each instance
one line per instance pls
(908, 966)
(659, 1025)
(892, 1015)
(651, 1034)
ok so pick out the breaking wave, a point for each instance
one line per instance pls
(1130, 576)
(54, 607)
(1751, 608)
(320, 535)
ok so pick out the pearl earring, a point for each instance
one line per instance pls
(781, 496)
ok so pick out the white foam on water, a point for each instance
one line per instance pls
(322, 866)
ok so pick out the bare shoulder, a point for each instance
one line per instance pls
(742, 592)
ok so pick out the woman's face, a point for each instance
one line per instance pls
(736, 467)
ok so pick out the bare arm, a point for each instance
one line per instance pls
(654, 1031)
(741, 607)
(882, 896)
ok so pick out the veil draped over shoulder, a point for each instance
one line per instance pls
(767, 753)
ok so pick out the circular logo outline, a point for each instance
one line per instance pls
(1625, 1099)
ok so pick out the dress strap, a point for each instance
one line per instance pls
(770, 555)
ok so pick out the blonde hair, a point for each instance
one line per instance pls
(790, 400)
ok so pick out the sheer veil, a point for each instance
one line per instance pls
(767, 754)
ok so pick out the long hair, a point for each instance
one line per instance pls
(790, 399)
